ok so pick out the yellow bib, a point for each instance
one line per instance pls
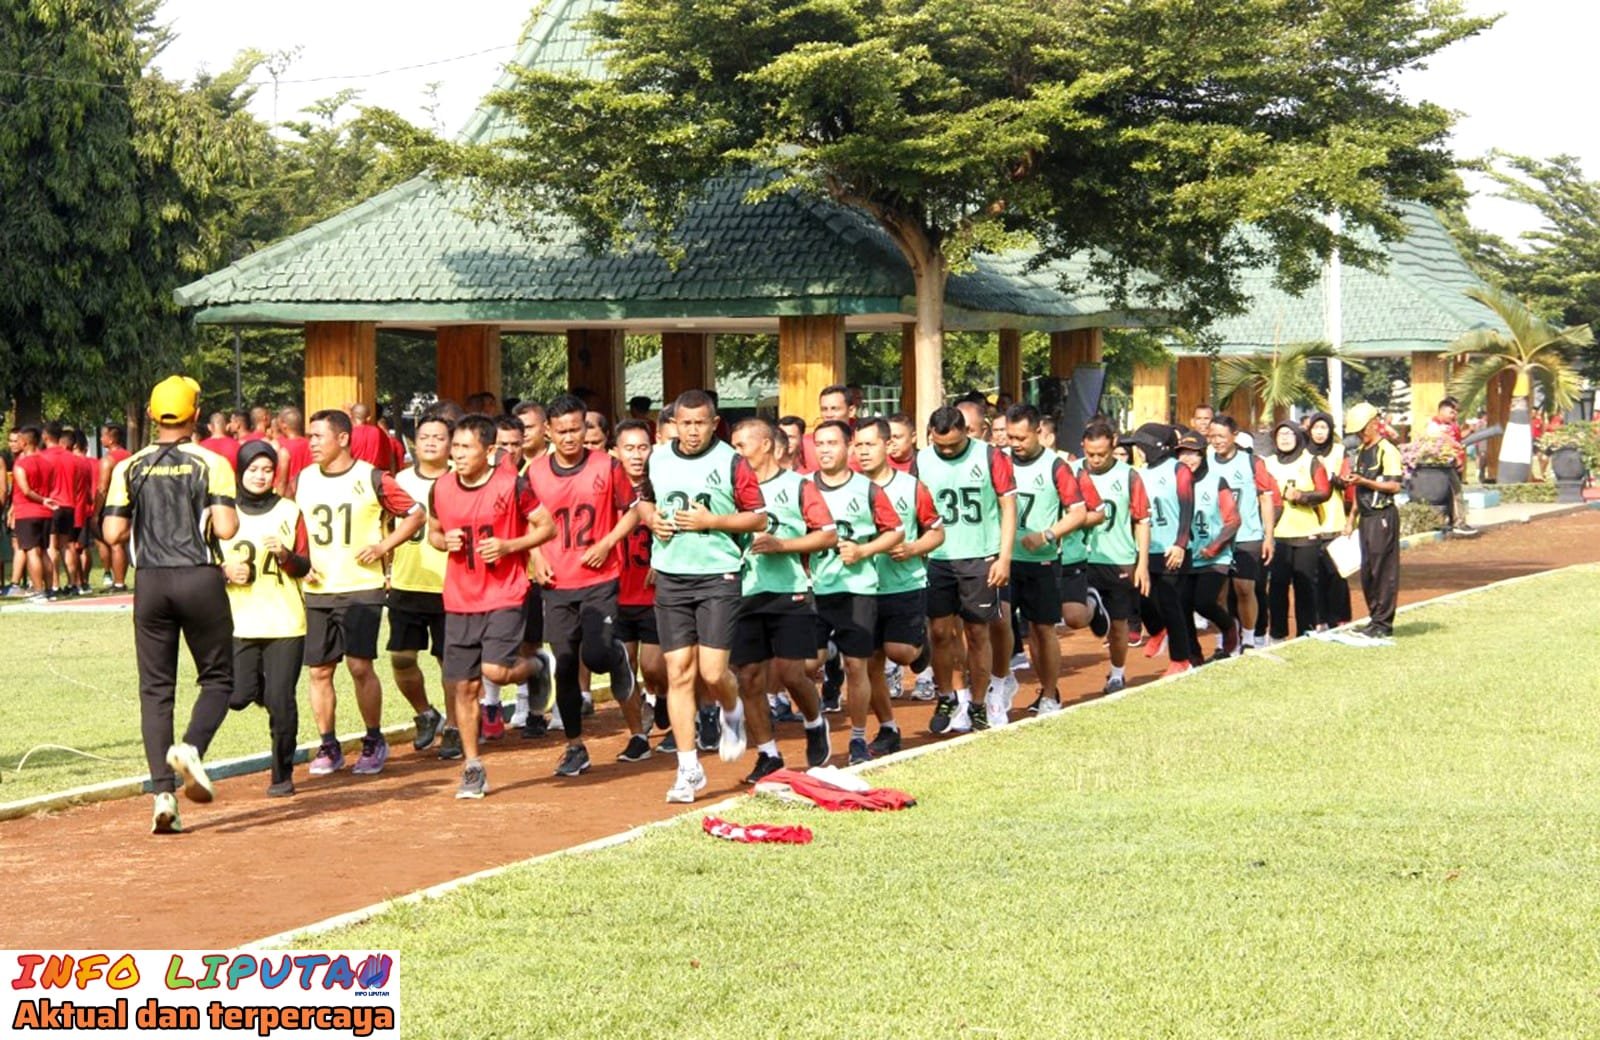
(1294, 520)
(343, 516)
(1333, 511)
(270, 605)
(417, 566)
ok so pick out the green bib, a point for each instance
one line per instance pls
(902, 575)
(1075, 546)
(963, 493)
(1111, 541)
(779, 572)
(679, 480)
(851, 506)
(1038, 504)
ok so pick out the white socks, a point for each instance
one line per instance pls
(491, 693)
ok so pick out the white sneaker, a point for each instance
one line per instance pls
(185, 761)
(1019, 660)
(894, 676)
(961, 721)
(1049, 706)
(995, 707)
(165, 820)
(1011, 685)
(686, 785)
(731, 745)
(924, 690)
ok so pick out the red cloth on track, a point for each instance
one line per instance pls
(837, 799)
(756, 833)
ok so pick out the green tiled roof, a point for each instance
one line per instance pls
(734, 389)
(1417, 302)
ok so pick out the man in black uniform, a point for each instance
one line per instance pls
(171, 503)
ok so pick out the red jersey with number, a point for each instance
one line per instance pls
(85, 482)
(636, 590)
(586, 502)
(36, 469)
(497, 508)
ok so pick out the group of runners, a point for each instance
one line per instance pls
(737, 583)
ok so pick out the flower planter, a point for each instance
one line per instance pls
(1431, 484)
(1566, 464)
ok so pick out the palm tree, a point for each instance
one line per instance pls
(1533, 349)
(1279, 380)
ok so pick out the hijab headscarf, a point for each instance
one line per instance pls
(1321, 450)
(1156, 440)
(1289, 456)
(248, 453)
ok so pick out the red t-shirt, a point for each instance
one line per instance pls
(498, 508)
(38, 472)
(635, 590)
(85, 482)
(368, 444)
(298, 452)
(253, 435)
(585, 503)
(227, 447)
(62, 479)
(905, 465)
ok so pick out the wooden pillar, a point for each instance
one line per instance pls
(341, 364)
(1194, 386)
(1011, 363)
(468, 361)
(908, 370)
(1497, 404)
(810, 358)
(1151, 399)
(1245, 408)
(687, 363)
(1075, 347)
(594, 363)
(1428, 378)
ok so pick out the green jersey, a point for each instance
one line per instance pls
(1046, 489)
(1122, 501)
(719, 480)
(861, 512)
(966, 491)
(794, 507)
(911, 500)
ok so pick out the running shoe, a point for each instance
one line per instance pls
(1114, 684)
(374, 753)
(535, 727)
(976, 719)
(105, 581)
(1019, 660)
(474, 782)
(832, 700)
(1154, 645)
(731, 742)
(330, 759)
(1033, 709)
(707, 729)
(450, 744)
(995, 713)
(1231, 641)
(783, 710)
(540, 682)
(165, 819)
(1099, 619)
(765, 766)
(575, 762)
(281, 789)
(887, 742)
(924, 690)
(185, 761)
(1135, 638)
(894, 676)
(1010, 687)
(1463, 531)
(1177, 668)
(858, 751)
(946, 710)
(638, 749)
(428, 724)
(490, 725)
(688, 783)
(622, 677)
(668, 745)
(663, 718)
(1049, 706)
(819, 746)
(588, 703)
(119, 587)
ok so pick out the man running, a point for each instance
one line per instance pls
(487, 518)
(1118, 541)
(636, 598)
(971, 484)
(416, 593)
(345, 503)
(706, 498)
(1253, 546)
(592, 502)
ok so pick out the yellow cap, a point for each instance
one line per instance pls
(1356, 419)
(175, 400)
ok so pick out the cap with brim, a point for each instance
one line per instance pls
(1356, 419)
(175, 399)
(1189, 440)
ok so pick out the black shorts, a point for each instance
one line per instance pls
(348, 630)
(1247, 565)
(533, 615)
(902, 618)
(1115, 585)
(1036, 591)
(853, 620)
(471, 640)
(88, 533)
(696, 610)
(62, 523)
(962, 587)
(1075, 583)
(34, 534)
(636, 623)
(775, 624)
(571, 613)
(416, 621)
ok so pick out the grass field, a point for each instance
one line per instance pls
(69, 679)
(1351, 843)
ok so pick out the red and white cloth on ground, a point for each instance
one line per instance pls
(833, 797)
(756, 833)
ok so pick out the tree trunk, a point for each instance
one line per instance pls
(931, 274)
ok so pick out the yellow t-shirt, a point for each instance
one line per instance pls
(344, 514)
(270, 605)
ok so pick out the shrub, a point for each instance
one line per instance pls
(1418, 518)
(1429, 451)
(1535, 492)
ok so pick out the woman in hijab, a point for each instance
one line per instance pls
(263, 563)
(1169, 488)
(1212, 528)
(1303, 488)
(1333, 608)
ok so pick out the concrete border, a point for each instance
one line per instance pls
(366, 913)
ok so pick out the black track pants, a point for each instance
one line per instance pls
(191, 603)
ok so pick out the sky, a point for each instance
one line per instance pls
(1516, 86)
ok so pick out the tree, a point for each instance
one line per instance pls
(1534, 350)
(1280, 380)
(1140, 133)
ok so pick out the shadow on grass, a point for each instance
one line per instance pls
(1407, 629)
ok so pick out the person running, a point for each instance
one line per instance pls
(1374, 481)
(1002, 689)
(416, 595)
(592, 502)
(1050, 506)
(971, 484)
(170, 503)
(113, 559)
(1333, 608)
(706, 497)
(845, 579)
(1302, 488)
(1118, 541)
(33, 511)
(263, 563)
(345, 503)
(294, 451)
(533, 695)
(636, 598)
(777, 619)
(1213, 525)
(1253, 546)
(1169, 489)
(487, 518)
(508, 441)
(900, 637)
